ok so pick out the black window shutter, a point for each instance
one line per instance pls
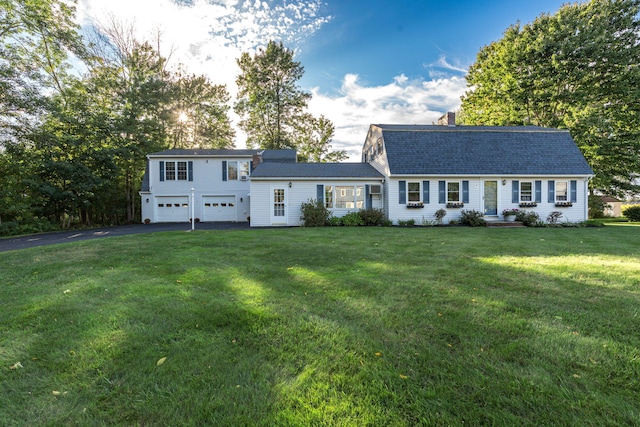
(367, 197)
(320, 193)
(224, 170)
(574, 191)
(425, 191)
(538, 191)
(190, 166)
(161, 171)
(552, 191)
(465, 191)
(402, 192)
(515, 191)
(442, 192)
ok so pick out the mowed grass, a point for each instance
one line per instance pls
(329, 326)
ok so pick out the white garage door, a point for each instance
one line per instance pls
(172, 209)
(219, 208)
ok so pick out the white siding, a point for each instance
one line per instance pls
(207, 182)
(396, 211)
(300, 192)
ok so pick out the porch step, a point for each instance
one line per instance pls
(505, 224)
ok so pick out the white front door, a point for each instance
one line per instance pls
(278, 206)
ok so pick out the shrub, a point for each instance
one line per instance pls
(554, 217)
(335, 221)
(387, 222)
(596, 207)
(352, 219)
(440, 213)
(428, 222)
(529, 218)
(406, 222)
(472, 218)
(372, 216)
(632, 213)
(314, 213)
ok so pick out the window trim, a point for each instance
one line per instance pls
(331, 196)
(410, 192)
(567, 195)
(531, 192)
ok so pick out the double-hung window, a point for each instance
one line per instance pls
(172, 171)
(235, 170)
(453, 192)
(562, 191)
(414, 193)
(526, 191)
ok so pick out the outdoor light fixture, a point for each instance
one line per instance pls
(147, 200)
(290, 184)
(504, 182)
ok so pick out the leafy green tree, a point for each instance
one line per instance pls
(576, 69)
(269, 100)
(314, 136)
(200, 112)
(36, 38)
(273, 107)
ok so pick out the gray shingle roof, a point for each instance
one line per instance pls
(481, 150)
(198, 152)
(267, 155)
(315, 170)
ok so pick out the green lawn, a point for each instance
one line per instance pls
(329, 326)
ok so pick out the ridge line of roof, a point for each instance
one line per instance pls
(475, 129)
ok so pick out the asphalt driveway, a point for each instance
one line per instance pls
(22, 242)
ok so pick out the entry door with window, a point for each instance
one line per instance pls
(278, 206)
(491, 198)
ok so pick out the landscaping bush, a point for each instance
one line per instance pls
(406, 222)
(632, 213)
(372, 217)
(596, 207)
(554, 217)
(472, 218)
(440, 213)
(314, 214)
(335, 221)
(529, 218)
(352, 219)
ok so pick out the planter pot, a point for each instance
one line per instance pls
(510, 218)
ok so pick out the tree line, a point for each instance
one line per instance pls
(73, 144)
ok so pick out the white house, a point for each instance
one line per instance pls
(219, 180)
(483, 168)
(408, 171)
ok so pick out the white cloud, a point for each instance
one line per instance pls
(207, 36)
(402, 101)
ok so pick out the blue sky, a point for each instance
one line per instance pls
(366, 61)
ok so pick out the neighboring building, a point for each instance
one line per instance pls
(409, 171)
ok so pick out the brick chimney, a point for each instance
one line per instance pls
(257, 159)
(448, 119)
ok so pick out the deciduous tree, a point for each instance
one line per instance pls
(577, 69)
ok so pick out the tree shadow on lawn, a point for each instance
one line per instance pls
(375, 338)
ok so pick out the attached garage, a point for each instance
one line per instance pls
(219, 208)
(172, 209)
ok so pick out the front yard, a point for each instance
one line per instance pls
(330, 326)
